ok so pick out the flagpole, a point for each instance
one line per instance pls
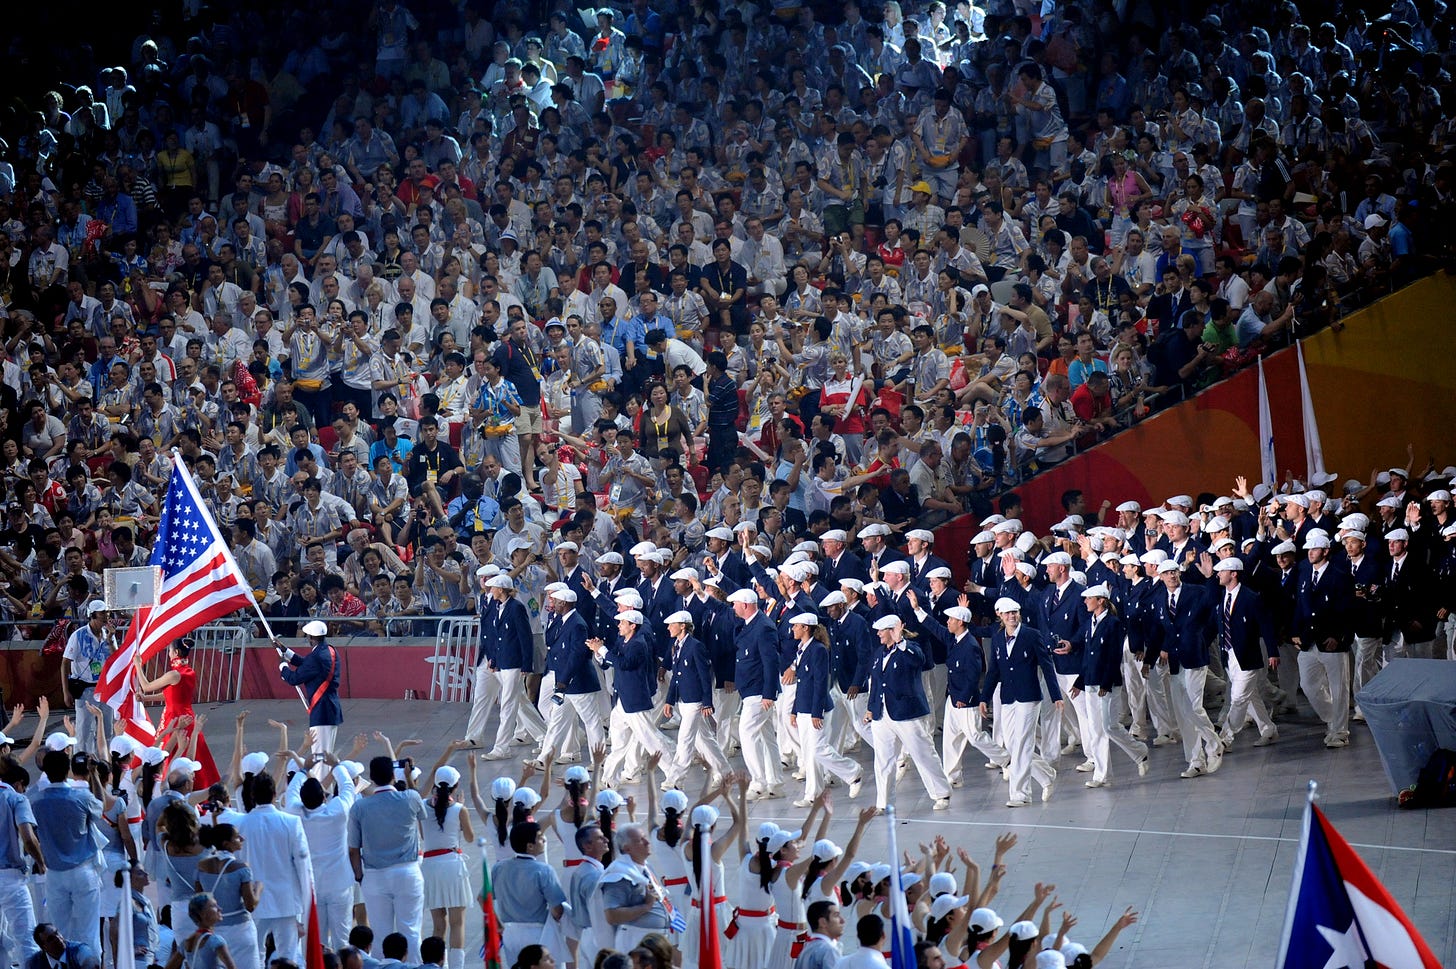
(1298, 876)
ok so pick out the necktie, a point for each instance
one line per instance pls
(1227, 635)
(1394, 571)
(1173, 604)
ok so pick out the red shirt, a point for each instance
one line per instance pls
(1089, 405)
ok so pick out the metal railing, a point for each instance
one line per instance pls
(455, 645)
(217, 657)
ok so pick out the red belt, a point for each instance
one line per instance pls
(437, 852)
(675, 881)
(791, 926)
(749, 913)
(572, 862)
(717, 900)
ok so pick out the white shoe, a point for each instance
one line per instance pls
(1192, 771)
(667, 786)
(957, 783)
(497, 754)
(1085, 766)
(1018, 803)
(1138, 734)
(534, 762)
(1096, 783)
(1046, 792)
(1336, 742)
(940, 804)
(992, 765)
(902, 770)
(1163, 740)
(803, 802)
(770, 794)
(753, 792)
(854, 787)
(1071, 748)
(798, 775)
(1214, 763)
(1267, 740)
(1142, 766)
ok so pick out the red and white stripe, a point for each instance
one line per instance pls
(209, 589)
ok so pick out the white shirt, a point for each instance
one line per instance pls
(275, 848)
(327, 830)
(863, 959)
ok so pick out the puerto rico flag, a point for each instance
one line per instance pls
(1339, 914)
(901, 930)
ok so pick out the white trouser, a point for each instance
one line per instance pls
(515, 936)
(561, 720)
(17, 916)
(395, 900)
(285, 935)
(1200, 741)
(696, 737)
(726, 704)
(86, 725)
(484, 697)
(893, 739)
(786, 736)
(1160, 700)
(858, 707)
(516, 710)
(638, 730)
(1070, 730)
(818, 755)
(1325, 678)
(336, 915)
(762, 761)
(1135, 688)
(245, 943)
(1101, 728)
(1018, 724)
(1245, 699)
(73, 904)
(840, 718)
(1369, 658)
(934, 680)
(962, 728)
(1399, 647)
(324, 739)
(1288, 673)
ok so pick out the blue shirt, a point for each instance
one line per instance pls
(15, 810)
(66, 818)
(385, 827)
(618, 332)
(526, 889)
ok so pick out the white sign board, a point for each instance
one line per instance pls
(131, 589)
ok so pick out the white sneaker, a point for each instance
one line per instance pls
(941, 804)
(1143, 767)
(1046, 792)
(1018, 803)
(1192, 771)
(957, 783)
(1163, 740)
(497, 754)
(1071, 748)
(1267, 739)
(770, 794)
(1095, 783)
(1336, 742)
(803, 802)
(1085, 766)
(854, 787)
(798, 775)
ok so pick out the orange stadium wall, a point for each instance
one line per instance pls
(1387, 379)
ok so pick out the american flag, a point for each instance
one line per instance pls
(200, 580)
(116, 687)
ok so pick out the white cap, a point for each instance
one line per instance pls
(121, 745)
(743, 595)
(1449, 530)
(795, 571)
(563, 595)
(486, 570)
(184, 765)
(352, 767)
(315, 628)
(1261, 491)
(834, 535)
(745, 526)
(1231, 564)
(568, 547)
(643, 548)
(1174, 517)
(1058, 558)
(610, 558)
(1153, 556)
(628, 597)
(445, 774)
(1007, 604)
(1283, 548)
(1026, 541)
(675, 801)
(685, 575)
(1217, 523)
(1129, 559)
(1072, 950)
(254, 763)
(888, 622)
(518, 545)
(1010, 525)
(152, 756)
(1167, 565)
(959, 612)
(983, 536)
(1131, 506)
(1026, 568)
(985, 920)
(502, 788)
(632, 616)
(879, 873)
(1099, 590)
(874, 529)
(1315, 495)
(663, 556)
(1316, 541)
(1013, 553)
(1072, 523)
(899, 567)
(1353, 533)
(1397, 535)
(610, 800)
(1181, 500)
(576, 774)
(763, 550)
(833, 599)
(855, 585)
(713, 581)
(920, 534)
(1024, 930)
(1299, 500)
(1050, 959)
(1356, 520)
(1389, 501)
(780, 838)
(1398, 471)
(1221, 543)
(705, 816)
(721, 533)
(1223, 501)
(941, 883)
(804, 619)
(992, 520)
(855, 870)
(95, 607)
(526, 797)
(499, 582)
(806, 546)
(939, 572)
(60, 740)
(682, 615)
(945, 904)
(551, 587)
(826, 850)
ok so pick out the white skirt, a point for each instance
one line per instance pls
(447, 882)
(752, 946)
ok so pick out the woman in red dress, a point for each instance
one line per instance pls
(177, 687)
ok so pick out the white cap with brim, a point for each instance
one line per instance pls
(804, 619)
(1397, 535)
(720, 533)
(447, 775)
(633, 616)
(576, 774)
(254, 763)
(888, 622)
(681, 616)
(874, 529)
(564, 595)
(920, 535)
(1283, 548)
(685, 575)
(833, 599)
(985, 920)
(499, 582)
(628, 597)
(568, 547)
(610, 558)
(502, 788)
(1026, 569)
(835, 535)
(945, 904)
(1153, 556)
(59, 741)
(1167, 566)
(1230, 564)
(855, 585)
(1099, 591)
(152, 756)
(183, 765)
(959, 612)
(982, 537)
(675, 801)
(1007, 604)
(747, 596)
(1314, 540)
(704, 816)
(1058, 558)
(897, 567)
(610, 800)
(940, 572)
(526, 797)
(315, 628)
(121, 745)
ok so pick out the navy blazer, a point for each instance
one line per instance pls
(896, 690)
(691, 680)
(1066, 616)
(569, 658)
(1184, 635)
(575, 584)
(1241, 630)
(811, 699)
(484, 648)
(636, 679)
(1139, 618)
(1366, 616)
(318, 670)
(1100, 656)
(852, 645)
(917, 572)
(1014, 668)
(849, 566)
(720, 629)
(756, 671)
(78, 955)
(1322, 609)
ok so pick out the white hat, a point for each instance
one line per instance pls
(183, 765)
(743, 595)
(1440, 494)
(1174, 517)
(1167, 565)
(834, 535)
(1322, 478)
(763, 550)
(990, 521)
(939, 572)
(1069, 524)
(945, 904)
(898, 567)
(1058, 558)
(1217, 523)
(1072, 950)
(1231, 564)
(1299, 500)
(1399, 471)
(1397, 535)
(804, 619)
(1078, 576)
(721, 533)
(874, 529)
(854, 585)
(352, 767)
(1099, 590)
(60, 740)
(704, 816)
(1316, 541)
(985, 920)
(806, 546)
(152, 756)
(675, 801)
(780, 838)
(888, 622)
(632, 616)
(765, 831)
(568, 547)
(1181, 500)
(1314, 495)
(1129, 559)
(1223, 501)
(1389, 501)
(254, 763)
(1131, 506)
(713, 581)
(121, 745)
(685, 575)
(643, 548)
(855, 870)
(833, 599)
(1024, 930)
(563, 595)
(1026, 541)
(959, 612)
(610, 800)
(1007, 604)
(628, 597)
(826, 850)
(1355, 534)
(1283, 548)
(1050, 959)
(682, 615)
(1026, 568)
(576, 774)
(1261, 491)
(526, 797)
(983, 536)
(499, 582)
(502, 788)
(551, 587)
(795, 571)
(879, 873)
(315, 628)
(447, 775)
(486, 570)
(1221, 543)
(663, 556)
(920, 534)
(1449, 530)
(810, 567)
(1013, 553)
(95, 607)
(745, 526)
(610, 558)
(1153, 556)
(1009, 525)
(941, 883)
(518, 545)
